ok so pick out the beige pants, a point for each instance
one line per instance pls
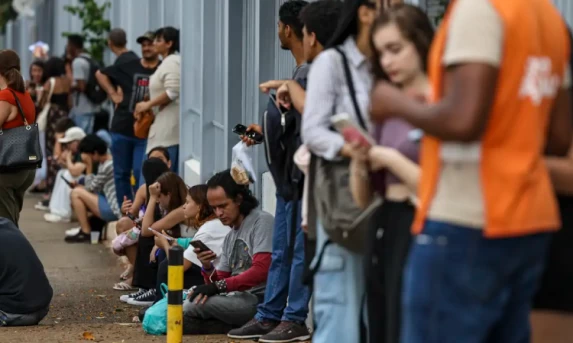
(13, 186)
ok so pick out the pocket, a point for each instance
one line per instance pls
(330, 279)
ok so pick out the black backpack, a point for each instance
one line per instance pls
(94, 92)
(282, 139)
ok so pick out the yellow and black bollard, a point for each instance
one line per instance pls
(175, 296)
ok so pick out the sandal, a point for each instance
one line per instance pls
(123, 286)
(126, 275)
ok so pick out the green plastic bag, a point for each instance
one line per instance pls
(155, 319)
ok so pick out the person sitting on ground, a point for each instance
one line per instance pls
(125, 225)
(172, 191)
(169, 193)
(60, 206)
(98, 195)
(210, 231)
(137, 248)
(234, 287)
(25, 292)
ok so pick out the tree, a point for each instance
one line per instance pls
(95, 26)
(7, 13)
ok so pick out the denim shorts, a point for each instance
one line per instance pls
(104, 209)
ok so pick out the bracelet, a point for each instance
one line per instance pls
(207, 271)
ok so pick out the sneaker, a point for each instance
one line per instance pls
(43, 205)
(54, 218)
(287, 332)
(253, 329)
(145, 299)
(80, 237)
(73, 232)
(126, 297)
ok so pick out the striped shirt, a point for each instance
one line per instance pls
(103, 183)
(327, 94)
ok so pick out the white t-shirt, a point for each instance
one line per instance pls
(212, 233)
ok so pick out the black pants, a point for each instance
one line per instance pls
(557, 282)
(389, 241)
(144, 272)
(191, 277)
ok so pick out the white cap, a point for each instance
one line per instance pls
(72, 134)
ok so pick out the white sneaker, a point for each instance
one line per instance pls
(145, 299)
(54, 218)
(126, 297)
(42, 206)
(73, 232)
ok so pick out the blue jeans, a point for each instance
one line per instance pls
(85, 121)
(285, 277)
(127, 155)
(105, 211)
(462, 287)
(339, 288)
(173, 154)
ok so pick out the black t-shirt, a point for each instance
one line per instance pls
(24, 287)
(128, 73)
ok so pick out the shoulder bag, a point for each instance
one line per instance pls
(20, 146)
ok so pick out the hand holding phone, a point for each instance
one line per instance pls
(197, 244)
(242, 130)
(161, 234)
(351, 132)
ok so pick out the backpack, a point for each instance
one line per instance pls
(94, 92)
(281, 140)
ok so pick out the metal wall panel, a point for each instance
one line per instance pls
(566, 9)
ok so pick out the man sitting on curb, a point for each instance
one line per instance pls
(234, 287)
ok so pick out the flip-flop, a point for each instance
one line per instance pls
(122, 286)
(126, 274)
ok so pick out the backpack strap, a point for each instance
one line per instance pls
(350, 83)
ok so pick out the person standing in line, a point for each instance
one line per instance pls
(500, 102)
(13, 185)
(84, 110)
(127, 82)
(339, 282)
(276, 319)
(164, 96)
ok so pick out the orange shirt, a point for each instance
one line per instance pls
(517, 192)
(28, 107)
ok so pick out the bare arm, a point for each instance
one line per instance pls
(360, 185)
(106, 84)
(44, 99)
(561, 172)
(396, 163)
(170, 220)
(75, 169)
(139, 200)
(560, 125)
(5, 110)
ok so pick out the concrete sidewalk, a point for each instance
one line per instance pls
(82, 276)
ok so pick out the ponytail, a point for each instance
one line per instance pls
(15, 80)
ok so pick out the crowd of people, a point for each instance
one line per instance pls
(463, 134)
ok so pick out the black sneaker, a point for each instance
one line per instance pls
(80, 237)
(253, 329)
(197, 326)
(126, 297)
(287, 332)
(145, 299)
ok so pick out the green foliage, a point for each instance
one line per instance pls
(95, 26)
(7, 13)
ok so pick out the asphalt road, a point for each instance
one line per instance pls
(84, 305)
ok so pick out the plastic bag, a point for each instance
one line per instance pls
(155, 318)
(242, 169)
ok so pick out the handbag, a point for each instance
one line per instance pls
(142, 124)
(43, 116)
(20, 147)
(343, 221)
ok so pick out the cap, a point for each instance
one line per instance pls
(72, 134)
(149, 35)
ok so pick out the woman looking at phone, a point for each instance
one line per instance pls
(400, 39)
